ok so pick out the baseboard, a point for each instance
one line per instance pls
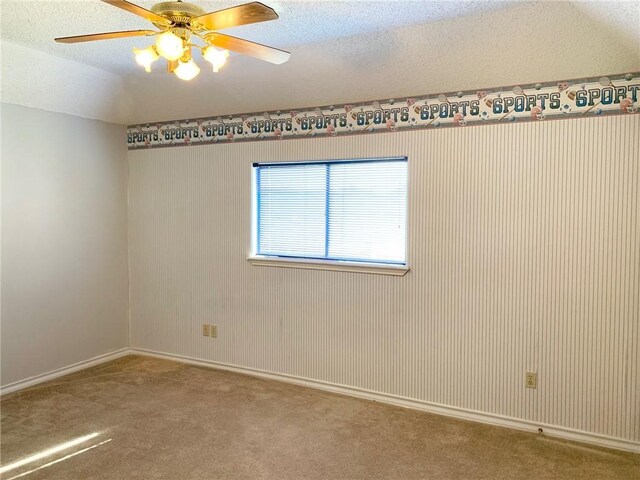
(476, 416)
(44, 377)
(482, 417)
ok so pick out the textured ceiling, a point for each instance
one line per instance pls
(487, 50)
(35, 24)
(345, 51)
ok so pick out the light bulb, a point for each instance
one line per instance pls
(187, 70)
(170, 46)
(146, 57)
(216, 57)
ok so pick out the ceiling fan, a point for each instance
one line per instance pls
(179, 22)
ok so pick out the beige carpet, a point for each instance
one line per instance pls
(156, 419)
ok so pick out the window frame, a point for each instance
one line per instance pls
(358, 266)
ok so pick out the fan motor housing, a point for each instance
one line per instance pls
(180, 13)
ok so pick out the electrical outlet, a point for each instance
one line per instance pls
(214, 331)
(206, 330)
(531, 380)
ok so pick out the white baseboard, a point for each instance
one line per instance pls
(476, 416)
(28, 382)
(482, 417)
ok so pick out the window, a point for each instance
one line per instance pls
(335, 213)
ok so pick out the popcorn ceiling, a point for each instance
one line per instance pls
(341, 52)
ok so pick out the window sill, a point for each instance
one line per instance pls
(357, 267)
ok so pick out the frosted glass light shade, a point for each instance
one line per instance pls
(170, 46)
(187, 70)
(145, 57)
(215, 57)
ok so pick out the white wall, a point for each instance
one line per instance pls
(64, 241)
(525, 256)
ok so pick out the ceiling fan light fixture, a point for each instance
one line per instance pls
(146, 56)
(215, 57)
(187, 70)
(170, 46)
(179, 23)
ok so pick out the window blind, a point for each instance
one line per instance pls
(342, 211)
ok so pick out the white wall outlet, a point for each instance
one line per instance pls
(531, 380)
(206, 330)
(214, 331)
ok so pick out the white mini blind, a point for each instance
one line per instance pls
(342, 211)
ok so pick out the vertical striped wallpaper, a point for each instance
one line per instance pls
(524, 248)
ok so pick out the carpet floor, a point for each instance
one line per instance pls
(144, 418)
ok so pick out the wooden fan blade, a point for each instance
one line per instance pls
(253, 12)
(246, 47)
(105, 36)
(137, 10)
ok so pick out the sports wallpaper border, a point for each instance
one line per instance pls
(615, 94)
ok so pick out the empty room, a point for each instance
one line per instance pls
(320, 240)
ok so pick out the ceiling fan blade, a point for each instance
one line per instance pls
(246, 47)
(253, 12)
(137, 10)
(106, 36)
